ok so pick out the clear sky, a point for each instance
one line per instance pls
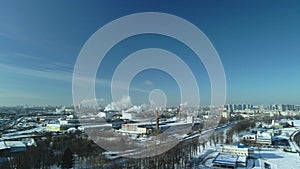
(258, 43)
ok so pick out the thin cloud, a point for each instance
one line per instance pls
(59, 75)
(18, 95)
(48, 74)
(57, 65)
(26, 56)
(51, 65)
(148, 83)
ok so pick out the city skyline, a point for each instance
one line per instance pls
(257, 42)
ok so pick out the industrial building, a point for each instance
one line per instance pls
(233, 156)
(230, 161)
(53, 125)
(107, 115)
(12, 146)
(234, 150)
(132, 129)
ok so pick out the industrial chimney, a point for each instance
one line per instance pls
(157, 121)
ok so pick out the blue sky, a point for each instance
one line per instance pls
(258, 43)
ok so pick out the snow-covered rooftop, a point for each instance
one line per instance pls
(3, 146)
(226, 159)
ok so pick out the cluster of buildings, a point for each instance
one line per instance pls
(278, 107)
(18, 133)
(250, 111)
(63, 123)
(276, 135)
(233, 156)
(134, 122)
(232, 107)
(258, 148)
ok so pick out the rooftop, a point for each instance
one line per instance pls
(3, 146)
(11, 144)
(226, 159)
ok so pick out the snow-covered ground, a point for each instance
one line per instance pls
(278, 158)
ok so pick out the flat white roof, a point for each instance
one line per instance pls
(234, 147)
(242, 159)
(11, 144)
(3, 145)
(226, 159)
(130, 132)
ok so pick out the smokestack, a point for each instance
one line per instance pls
(178, 113)
(157, 120)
